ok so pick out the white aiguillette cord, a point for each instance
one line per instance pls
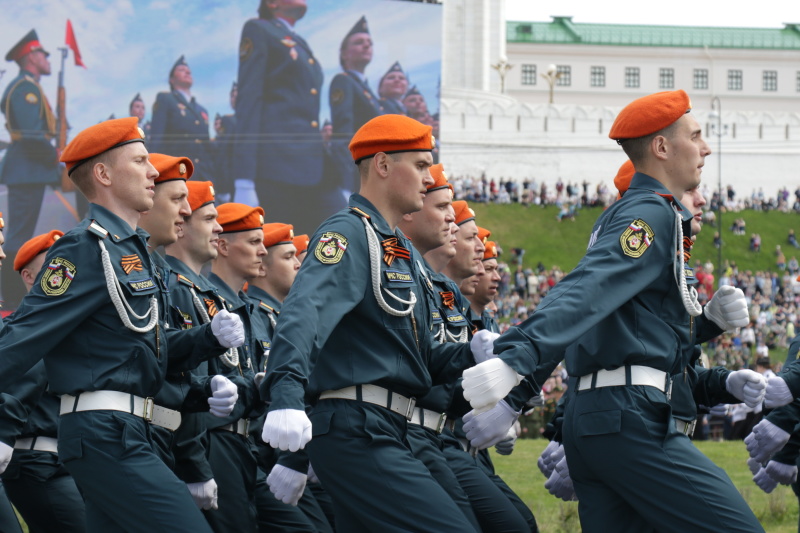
(375, 270)
(119, 301)
(688, 294)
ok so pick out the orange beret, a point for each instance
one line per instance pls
(301, 243)
(484, 234)
(391, 134)
(239, 217)
(650, 114)
(463, 212)
(2, 222)
(101, 138)
(491, 251)
(171, 168)
(200, 194)
(34, 247)
(276, 233)
(624, 176)
(439, 179)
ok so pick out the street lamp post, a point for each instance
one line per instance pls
(502, 67)
(716, 129)
(551, 76)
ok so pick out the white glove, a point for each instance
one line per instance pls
(506, 446)
(560, 484)
(204, 494)
(765, 439)
(223, 396)
(312, 476)
(227, 328)
(287, 429)
(765, 481)
(286, 484)
(782, 473)
(482, 345)
(778, 393)
(728, 308)
(487, 383)
(746, 385)
(6, 452)
(487, 428)
(753, 465)
(545, 463)
(245, 192)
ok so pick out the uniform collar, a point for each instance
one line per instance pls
(225, 291)
(378, 222)
(179, 267)
(257, 293)
(117, 228)
(644, 182)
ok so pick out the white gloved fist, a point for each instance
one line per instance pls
(482, 345)
(223, 396)
(286, 484)
(781, 472)
(764, 481)
(778, 393)
(747, 385)
(545, 463)
(312, 476)
(560, 484)
(204, 494)
(6, 452)
(287, 429)
(487, 383)
(765, 439)
(753, 465)
(228, 329)
(506, 446)
(487, 428)
(728, 308)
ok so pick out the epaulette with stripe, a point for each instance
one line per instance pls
(186, 281)
(97, 229)
(267, 308)
(359, 212)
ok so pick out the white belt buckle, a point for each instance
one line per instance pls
(442, 422)
(147, 409)
(412, 402)
(246, 427)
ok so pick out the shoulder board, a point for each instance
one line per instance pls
(359, 212)
(267, 308)
(667, 197)
(186, 281)
(97, 229)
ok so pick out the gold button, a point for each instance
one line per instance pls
(310, 60)
(197, 122)
(313, 91)
(196, 159)
(314, 123)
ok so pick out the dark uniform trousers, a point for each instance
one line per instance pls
(8, 520)
(614, 434)
(233, 461)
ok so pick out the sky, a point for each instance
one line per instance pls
(129, 47)
(761, 14)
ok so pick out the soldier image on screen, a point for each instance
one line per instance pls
(137, 109)
(392, 88)
(278, 151)
(352, 101)
(180, 124)
(31, 161)
(225, 129)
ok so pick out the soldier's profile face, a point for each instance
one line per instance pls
(469, 251)
(137, 110)
(170, 206)
(280, 267)
(694, 201)
(133, 176)
(245, 252)
(39, 60)
(689, 150)
(358, 50)
(415, 103)
(201, 233)
(434, 219)
(410, 178)
(293, 9)
(394, 85)
(488, 282)
(182, 76)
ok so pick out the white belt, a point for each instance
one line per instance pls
(374, 395)
(687, 428)
(640, 375)
(40, 444)
(241, 426)
(110, 400)
(429, 419)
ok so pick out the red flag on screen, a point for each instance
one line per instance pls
(73, 44)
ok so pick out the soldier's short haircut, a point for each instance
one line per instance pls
(636, 149)
(83, 177)
(363, 165)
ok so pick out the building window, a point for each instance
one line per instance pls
(700, 78)
(565, 78)
(528, 74)
(598, 76)
(770, 80)
(734, 80)
(666, 78)
(632, 77)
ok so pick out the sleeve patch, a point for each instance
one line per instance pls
(57, 276)
(337, 96)
(330, 248)
(245, 48)
(31, 98)
(636, 238)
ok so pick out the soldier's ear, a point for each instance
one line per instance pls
(381, 162)
(101, 174)
(659, 146)
(222, 247)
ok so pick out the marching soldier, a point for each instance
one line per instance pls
(31, 161)
(392, 88)
(180, 124)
